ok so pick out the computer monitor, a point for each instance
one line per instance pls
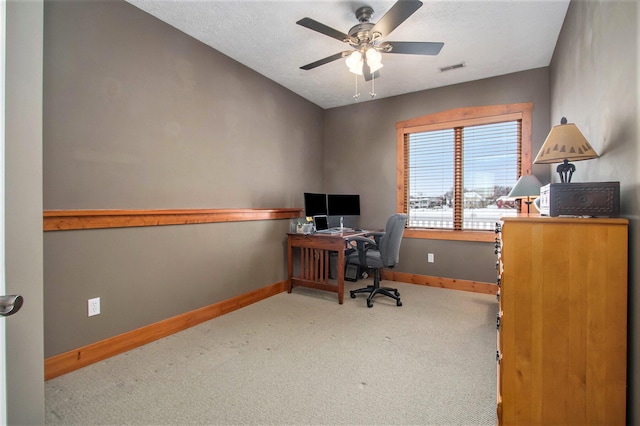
(343, 205)
(315, 204)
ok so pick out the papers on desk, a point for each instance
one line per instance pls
(334, 231)
(328, 232)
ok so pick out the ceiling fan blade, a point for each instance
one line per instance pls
(415, 47)
(322, 28)
(322, 61)
(366, 72)
(398, 13)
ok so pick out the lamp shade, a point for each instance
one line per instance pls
(565, 142)
(526, 186)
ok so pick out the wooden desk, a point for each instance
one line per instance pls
(314, 260)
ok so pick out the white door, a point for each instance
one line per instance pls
(3, 369)
(21, 236)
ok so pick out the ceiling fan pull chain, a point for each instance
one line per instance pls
(373, 86)
(357, 95)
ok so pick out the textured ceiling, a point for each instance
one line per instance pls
(491, 37)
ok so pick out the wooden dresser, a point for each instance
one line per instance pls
(562, 322)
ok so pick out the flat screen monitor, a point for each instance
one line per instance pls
(315, 204)
(343, 205)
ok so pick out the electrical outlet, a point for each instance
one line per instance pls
(94, 306)
(430, 258)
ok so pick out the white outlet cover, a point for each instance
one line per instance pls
(430, 258)
(93, 306)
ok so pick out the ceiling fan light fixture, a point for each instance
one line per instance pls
(374, 59)
(354, 62)
(375, 67)
(373, 56)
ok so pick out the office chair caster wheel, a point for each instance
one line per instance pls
(369, 304)
(398, 303)
(396, 293)
(353, 295)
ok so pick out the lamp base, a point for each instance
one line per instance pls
(528, 203)
(565, 170)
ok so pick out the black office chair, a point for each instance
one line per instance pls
(381, 252)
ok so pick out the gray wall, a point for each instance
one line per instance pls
(594, 83)
(360, 157)
(138, 115)
(23, 212)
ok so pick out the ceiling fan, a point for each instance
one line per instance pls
(366, 39)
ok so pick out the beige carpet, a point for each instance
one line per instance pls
(302, 359)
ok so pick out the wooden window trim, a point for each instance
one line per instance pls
(458, 117)
(448, 234)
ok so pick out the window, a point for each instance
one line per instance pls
(455, 168)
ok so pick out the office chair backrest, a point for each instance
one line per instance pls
(390, 243)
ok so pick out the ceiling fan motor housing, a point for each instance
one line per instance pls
(361, 33)
(364, 14)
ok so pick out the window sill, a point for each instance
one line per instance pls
(446, 234)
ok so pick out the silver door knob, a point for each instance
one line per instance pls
(11, 304)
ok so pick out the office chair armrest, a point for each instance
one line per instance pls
(362, 244)
(364, 241)
(377, 235)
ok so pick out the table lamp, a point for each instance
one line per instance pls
(565, 143)
(526, 187)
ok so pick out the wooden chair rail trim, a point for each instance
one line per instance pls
(64, 220)
(67, 362)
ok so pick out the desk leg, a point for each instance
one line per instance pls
(289, 264)
(340, 276)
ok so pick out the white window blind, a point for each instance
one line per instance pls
(458, 178)
(431, 160)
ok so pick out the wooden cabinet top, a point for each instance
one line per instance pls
(566, 220)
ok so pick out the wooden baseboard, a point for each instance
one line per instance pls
(75, 359)
(58, 365)
(449, 283)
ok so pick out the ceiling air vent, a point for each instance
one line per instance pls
(452, 67)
